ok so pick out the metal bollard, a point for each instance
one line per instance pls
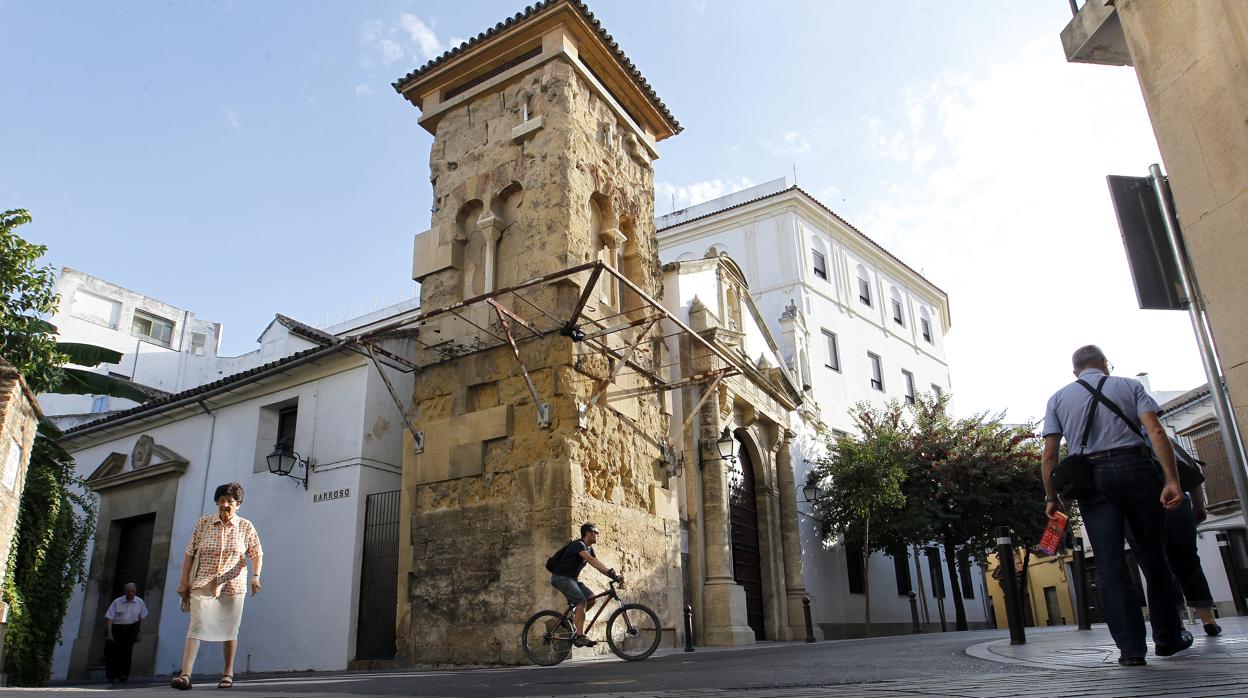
(688, 628)
(914, 613)
(1081, 585)
(810, 626)
(1009, 584)
(1232, 572)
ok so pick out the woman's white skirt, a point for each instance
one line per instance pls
(215, 619)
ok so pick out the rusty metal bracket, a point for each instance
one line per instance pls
(582, 409)
(543, 408)
(417, 436)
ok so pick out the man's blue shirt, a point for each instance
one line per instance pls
(1067, 412)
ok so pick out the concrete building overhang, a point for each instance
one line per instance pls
(1094, 35)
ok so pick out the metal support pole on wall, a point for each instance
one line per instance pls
(1081, 584)
(1204, 339)
(1009, 584)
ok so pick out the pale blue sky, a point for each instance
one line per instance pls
(244, 158)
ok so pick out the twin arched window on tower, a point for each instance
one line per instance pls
(486, 234)
(615, 245)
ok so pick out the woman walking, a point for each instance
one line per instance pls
(214, 572)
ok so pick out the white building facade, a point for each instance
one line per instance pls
(330, 574)
(853, 323)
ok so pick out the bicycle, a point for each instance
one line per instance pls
(633, 631)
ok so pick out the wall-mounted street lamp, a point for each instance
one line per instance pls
(723, 446)
(283, 460)
(811, 491)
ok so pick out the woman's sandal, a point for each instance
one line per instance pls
(182, 683)
(226, 681)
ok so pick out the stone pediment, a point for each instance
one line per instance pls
(147, 461)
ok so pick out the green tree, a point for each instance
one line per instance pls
(26, 296)
(967, 477)
(862, 479)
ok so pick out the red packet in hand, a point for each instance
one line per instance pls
(1053, 534)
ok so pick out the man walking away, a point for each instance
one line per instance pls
(1130, 489)
(123, 622)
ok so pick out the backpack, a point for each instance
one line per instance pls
(552, 562)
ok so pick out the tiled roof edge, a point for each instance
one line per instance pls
(530, 11)
(161, 403)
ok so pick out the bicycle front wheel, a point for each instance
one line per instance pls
(547, 638)
(633, 632)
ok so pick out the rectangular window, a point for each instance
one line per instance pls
(897, 316)
(864, 291)
(926, 325)
(877, 372)
(964, 576)
(198, 340)
(152, 328)
(938, 577)
(909, 386)
(286, 418)
(834, 354)
(97, 309)
(853, 568)
(901, 568)
(820, 265)
(937, 392)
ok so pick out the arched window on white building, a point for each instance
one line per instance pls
(819, 260)
(899, 315)
(925, 325)
(864, 286)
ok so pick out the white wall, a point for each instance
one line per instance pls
(305, 616)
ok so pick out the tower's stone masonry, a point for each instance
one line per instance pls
(534, 171)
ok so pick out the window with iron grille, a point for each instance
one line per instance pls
(901, 569)
(853, 567)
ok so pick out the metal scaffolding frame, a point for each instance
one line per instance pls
(464, 328)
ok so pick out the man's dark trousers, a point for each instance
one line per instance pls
(1128, 489)
(117, 651)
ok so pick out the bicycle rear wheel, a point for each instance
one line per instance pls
(633, 632)
(547, 638)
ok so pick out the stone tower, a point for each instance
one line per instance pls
(544, 137)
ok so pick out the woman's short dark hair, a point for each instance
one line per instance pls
(233, 490)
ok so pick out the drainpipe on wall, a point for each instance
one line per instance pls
(212, 432)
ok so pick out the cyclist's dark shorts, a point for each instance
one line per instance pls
(573, 590)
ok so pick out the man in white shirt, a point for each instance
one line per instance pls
(124, 626)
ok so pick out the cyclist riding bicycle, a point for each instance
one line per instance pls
(568, 564)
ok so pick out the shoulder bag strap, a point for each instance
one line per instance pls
(1113, 406)
(1087, 424)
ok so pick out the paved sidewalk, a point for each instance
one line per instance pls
(1065, 647)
